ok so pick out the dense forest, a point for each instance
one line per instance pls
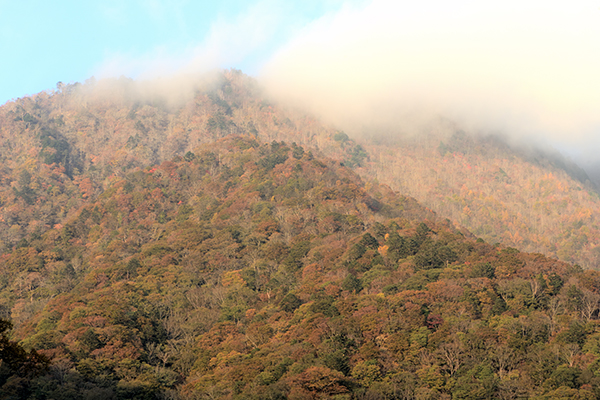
(525, 199)
(224, 247)
(102, 129)
(249, 270)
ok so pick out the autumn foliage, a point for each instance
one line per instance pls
(152, 250)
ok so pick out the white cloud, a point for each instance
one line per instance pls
(228, 42)
(528, 68)
(231, 40)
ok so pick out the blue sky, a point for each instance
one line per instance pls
(44, 42)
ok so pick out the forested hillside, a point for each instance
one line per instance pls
(253, 271)
(223, 247)
(527, 200)
(75, 139)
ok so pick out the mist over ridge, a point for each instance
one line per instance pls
(525, 71)
(175, 91)
(404, 101)
(394, 207)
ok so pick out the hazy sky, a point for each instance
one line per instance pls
(527, 68)
(43, 42)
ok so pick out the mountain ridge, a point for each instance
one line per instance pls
(254, 270)
(88, 129)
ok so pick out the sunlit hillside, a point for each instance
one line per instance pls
(74, 140)
(251, 270)
(533, 202)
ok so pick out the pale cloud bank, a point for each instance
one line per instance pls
(525, 68)
(528, 69)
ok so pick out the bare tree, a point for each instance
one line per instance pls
(590, 304)
(555, 308)
(451, 356)
(504, 359)
(570, 351)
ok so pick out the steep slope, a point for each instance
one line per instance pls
(517, 198)
(59, 149)
(250, 271)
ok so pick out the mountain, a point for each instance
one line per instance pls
(251, 270)
(222, 246)
(528, 199)
(99, 130)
